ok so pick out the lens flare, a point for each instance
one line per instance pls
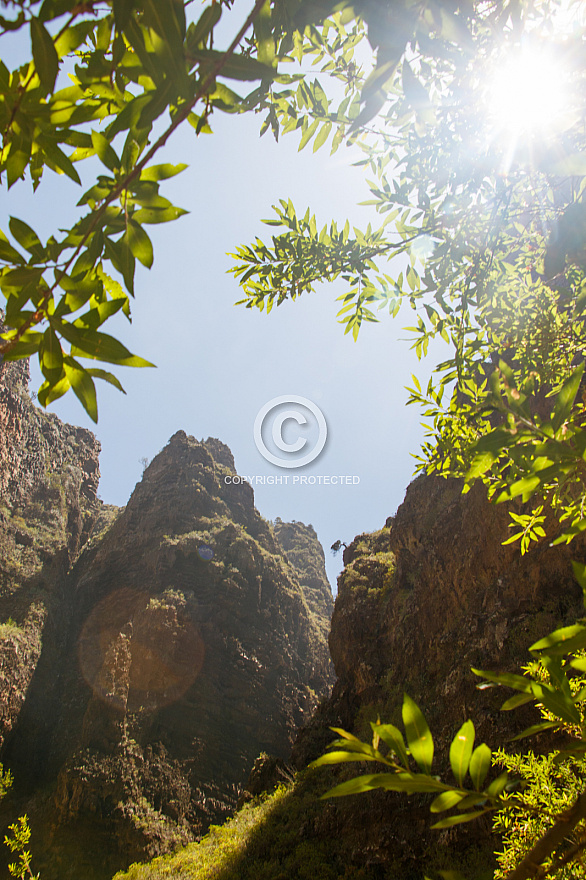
(140, 652)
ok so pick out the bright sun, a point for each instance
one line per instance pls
(527, 95)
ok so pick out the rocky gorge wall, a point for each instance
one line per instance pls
(419, 602)
(148, 653)
(49, 474)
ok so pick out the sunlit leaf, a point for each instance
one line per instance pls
(461, 751)
(418, 734)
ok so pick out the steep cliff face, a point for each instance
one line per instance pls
(48, 508)
(419, 603)
(188, 644)
(35, 444)
(304, 551)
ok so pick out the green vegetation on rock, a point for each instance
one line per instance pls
(275, 837)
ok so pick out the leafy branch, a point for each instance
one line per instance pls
(547, 685)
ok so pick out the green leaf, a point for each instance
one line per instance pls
(308, 134)
(461, 751)
(322, 136)
(458, 820)
(197, 34)
(341, 758)
(472, 800)
(122, 258)
(345, 735)
(353, 786)
(51, 356)
(73, 37)
(497, 786)
(480, 762)
(100, 346)
(562, 641)
(560, 705)
(524, 487)
(18, 157)
(263, 33)
(107, 377)
(515, 701)
(16, 279)
(578, 663)
(579, 569)
(237, 66)
(54, 8)
(8, 253)
(26, 237)
(58, 158)
(83, 387)
(158, 215)
(140, 244)
(162, 172)
(418, 734)
(446, 800)
(122, 12)
(566, 397)
(168, 20)
(105, 151)
(508, 679)
(535, 728)
(393, 737)
(480, 464)
(47, 393)
(408, 783)
(379, 81)
(44, 55)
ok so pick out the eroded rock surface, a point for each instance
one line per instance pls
(419, 603)
(183, 642)
(49, 475)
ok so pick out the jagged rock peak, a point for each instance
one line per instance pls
(184, 641)
(189, 481)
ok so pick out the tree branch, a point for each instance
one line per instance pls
(181, 116)
(545, 846)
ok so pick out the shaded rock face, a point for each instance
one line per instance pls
(49, 474)
(188, 644)
(421, 601)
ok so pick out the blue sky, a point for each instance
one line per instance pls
(218, 364)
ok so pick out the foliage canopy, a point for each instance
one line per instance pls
(482, 232)
(106, 86)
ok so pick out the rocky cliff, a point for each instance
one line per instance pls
(148, 654)
(419, 602)
(49, 475)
